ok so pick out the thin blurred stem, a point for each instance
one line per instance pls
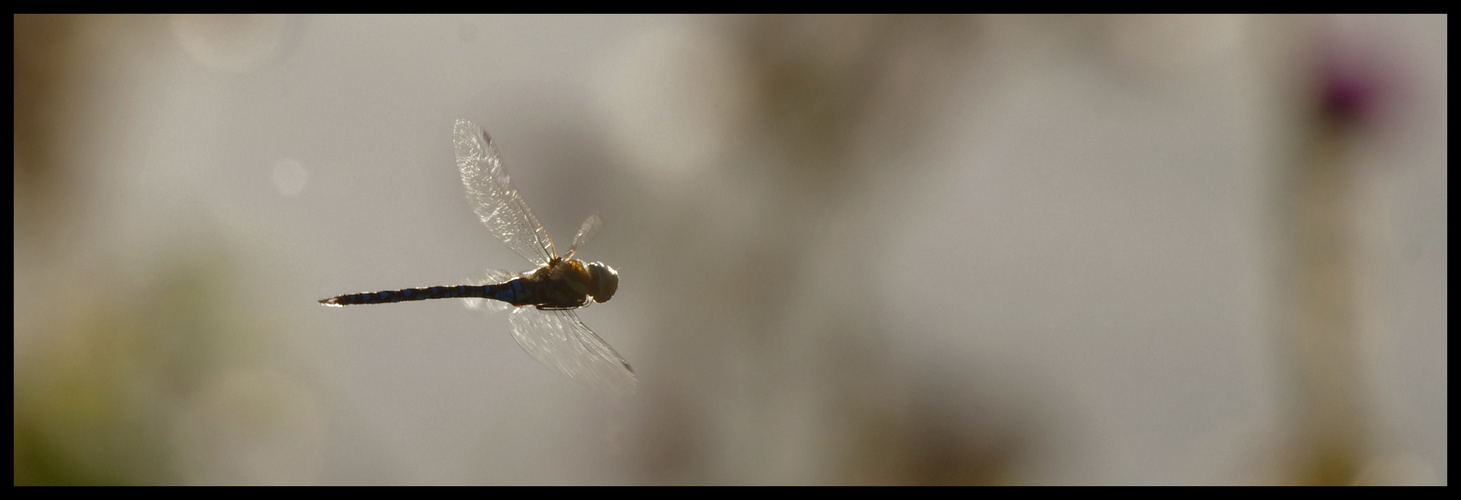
(1320, 324)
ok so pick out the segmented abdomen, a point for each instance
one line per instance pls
(512, 292)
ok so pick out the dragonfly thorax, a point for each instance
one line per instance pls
(571, 283)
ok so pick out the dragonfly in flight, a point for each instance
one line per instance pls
(543, 299)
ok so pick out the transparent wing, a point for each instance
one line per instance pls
(490, 191)
(587, 232)
(493, 276)
(558, 339)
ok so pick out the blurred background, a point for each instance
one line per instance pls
(853, 249)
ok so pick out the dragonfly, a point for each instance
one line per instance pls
(543, 299)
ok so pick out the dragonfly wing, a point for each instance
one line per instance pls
(585, 233)
(558, 339)
(496, 202)
(493, 276)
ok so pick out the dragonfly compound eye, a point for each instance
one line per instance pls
(605, 281)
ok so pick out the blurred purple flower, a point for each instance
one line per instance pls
(1351, 86)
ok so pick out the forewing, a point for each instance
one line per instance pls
(587, 232)
(496, 202)
(558, 339)
(493, 276)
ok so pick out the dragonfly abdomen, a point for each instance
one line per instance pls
(512, 292)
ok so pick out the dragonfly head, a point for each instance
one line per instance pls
(603, 281)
